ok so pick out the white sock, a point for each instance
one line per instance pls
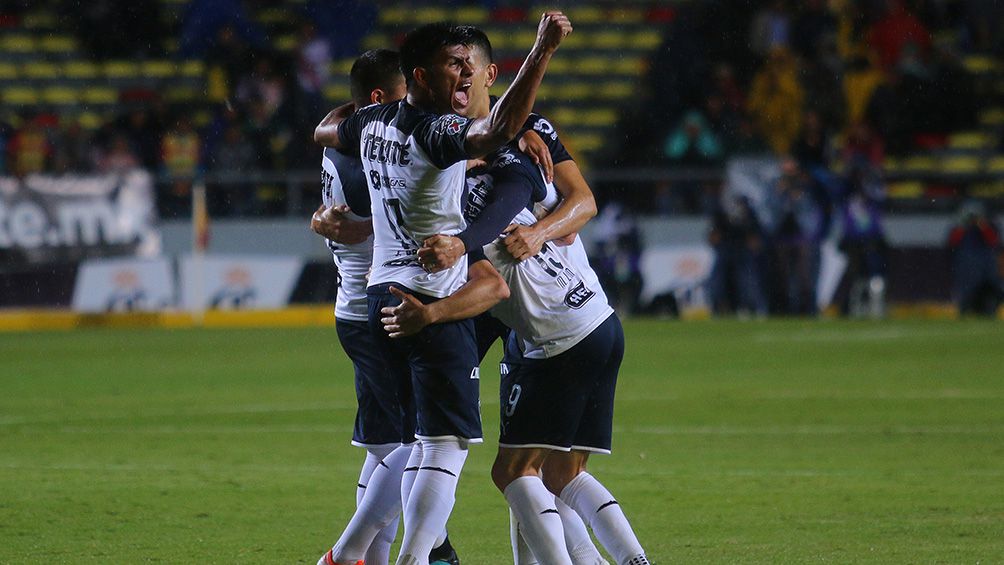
(379, 507)
(580, 545)
(379, 550)
(410, 473)
(600, 511)
(521, 553)
(374, 455)
(539, 522)
(432, 497)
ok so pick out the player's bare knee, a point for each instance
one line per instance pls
(511, 464)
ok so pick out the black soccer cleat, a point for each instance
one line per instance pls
(444, 554)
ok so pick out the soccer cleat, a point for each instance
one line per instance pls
(328, 559)
(444, 555)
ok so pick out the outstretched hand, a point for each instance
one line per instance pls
(407, 318)
(553, 27)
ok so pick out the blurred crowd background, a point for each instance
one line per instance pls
(846, 111)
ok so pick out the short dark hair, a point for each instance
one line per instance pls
(422, 43)
(376, 68)
(474, 37)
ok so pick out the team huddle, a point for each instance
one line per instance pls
(452, 219)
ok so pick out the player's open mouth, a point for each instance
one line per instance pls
(460, 97)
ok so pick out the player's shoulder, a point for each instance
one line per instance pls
(540, 124)
(505, 157)
(412, 120)
(340, 162)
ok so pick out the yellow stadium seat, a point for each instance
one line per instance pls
(395, 15)
(20, 96)
(341, 67)
(338, 92)
(470, 15)
(523, 40)
(992, 117)
(969, 140)
(121, 70)
(918, 164)
(586, 142)
(961, 165)
(202, 118)
(578, 40)
(182, 94)
(987, 190)
(376, 41)
(275, 16)
(83, 70)
(99, 95)
(980, 64)
(429, 14)
(192, 69)
(626, 16)
(646, 39)
(600, 117)
(158, 69)
(584, 15)
(40, 70)
(572, 91)
(8, 71)
(996, 165)
(629, 65)
(545, 90)
(90, 120)
(18, 44)
(613, 39)
(562, 116)
(615, 90)
(61, 44)
(285, 42)
(39, 20)
(906, 189)
(892, 165)
(560, 66)
(592, 65)
(60, 96)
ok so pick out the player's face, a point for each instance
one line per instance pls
(482, 80)
(448, 79)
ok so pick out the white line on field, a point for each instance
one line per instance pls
(869, 334)
(818, 430)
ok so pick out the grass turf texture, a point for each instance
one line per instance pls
(772, 442)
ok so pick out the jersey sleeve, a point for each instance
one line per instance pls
(545, 129)
(516, 184)
(475, 255)
(350, 131)
(442, 138)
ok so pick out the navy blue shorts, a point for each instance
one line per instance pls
(564, 402)
(378, 412)
(488, 328)
(435, 372)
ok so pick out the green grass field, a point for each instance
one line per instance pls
(757, 442)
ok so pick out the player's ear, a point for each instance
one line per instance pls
(491, 74)
(376, 96)
(420, 77)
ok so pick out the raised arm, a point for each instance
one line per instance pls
(575, 209)
(326, 132)
(506, 119)
(484, 288)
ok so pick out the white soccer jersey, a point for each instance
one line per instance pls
(415, 164)
(340, 174)
(555, 297)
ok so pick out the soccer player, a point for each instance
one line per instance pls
(414, 157)
(565, 352)
(375, 78)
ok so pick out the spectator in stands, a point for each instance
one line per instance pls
(775, 101)
(861, 80)
(235, 155)
(862, 148)
(811, 149)
(312, 73)
(119, 157)
(822, 78)
(802, 225)
(144, 133)
(863, 242)
(894, 31)
(180, 152)
(618, 257)
(770, 29)
(974, 243)
(227, 61)
(204, 18)
(73, 150)
(344, 23)
(5, 134)
(693, 143)
(29, 148)
(736, 280)
(813, 25)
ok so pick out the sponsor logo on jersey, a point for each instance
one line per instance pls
(545, 128)
(450, 124)
(389, 151)
(504, 159)
(578, 296)
(476, 373)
